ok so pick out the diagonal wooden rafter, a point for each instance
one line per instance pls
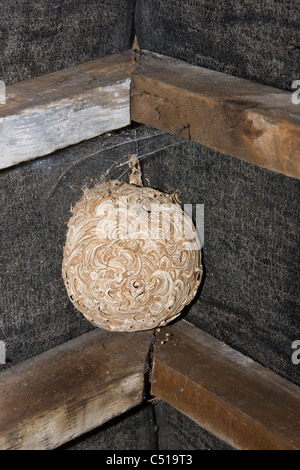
(233, 397)
(69, 390)
(247, 120)
(252, 122)
(63, 393)
(64, 108)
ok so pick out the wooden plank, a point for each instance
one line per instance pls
(226, 393)
(71, 389)
(244, 119)
(250, 121)
(63, 108)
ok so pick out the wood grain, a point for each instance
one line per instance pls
(71, 389)
(63, 108)
(226, 393)
(244, 119)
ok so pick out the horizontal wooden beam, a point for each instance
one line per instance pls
(241, 118)
(67, 391)
(63, 108)
(71, 389)
(226, 393)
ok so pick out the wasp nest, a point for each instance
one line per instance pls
(131, 259)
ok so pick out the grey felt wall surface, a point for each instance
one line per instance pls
(250, 297)
(38, 37)
(251, 289)
(250, 293)
(176, 431)
(36, 199)
(250, 39)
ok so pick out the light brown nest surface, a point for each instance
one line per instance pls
(129, 260)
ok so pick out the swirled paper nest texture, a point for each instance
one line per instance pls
(127, 264)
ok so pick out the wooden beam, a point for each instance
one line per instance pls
(63, 108)
(74, 388)
(247, 120)
(226, 393)
(241, 118)
(71, 389)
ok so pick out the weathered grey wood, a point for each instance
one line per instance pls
(63, 108)
(228, 394)
(247, 120)
(71, 389)
(244, 119)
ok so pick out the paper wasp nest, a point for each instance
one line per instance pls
(131, 259)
